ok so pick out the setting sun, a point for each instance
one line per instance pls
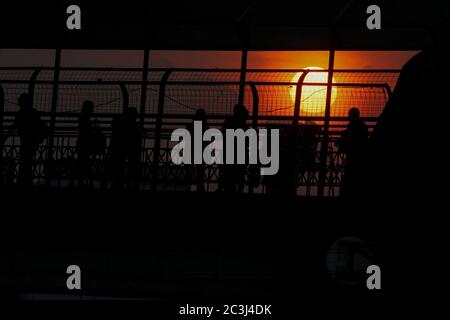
(313, 97)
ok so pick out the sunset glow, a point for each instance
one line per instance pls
(313, 100)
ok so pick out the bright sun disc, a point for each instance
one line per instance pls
(314, 98)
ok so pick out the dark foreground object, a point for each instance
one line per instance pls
(169, 248)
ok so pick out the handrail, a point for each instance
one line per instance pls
(157, 124)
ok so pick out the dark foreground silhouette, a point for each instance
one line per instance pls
(409, 151)
(32, 130)
(406, 155)
(353, 143)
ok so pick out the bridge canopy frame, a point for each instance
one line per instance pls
(233, 25)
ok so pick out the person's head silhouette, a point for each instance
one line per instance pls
(87, 108)
(354, 114)
(25, 101)
(200, 115)
(240, 111)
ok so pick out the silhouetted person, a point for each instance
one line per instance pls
(308, 135)
(196, 172)
(409, 147)
(354, 142)
(3, 137)
(297, 155)
(233, 175)
(31, 130)
(125, 149)
(85, 141)
(410, 144)
(286, 179)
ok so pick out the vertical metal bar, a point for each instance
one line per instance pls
(298, 97)
(388, 90)
(3, 136)
(144, 88)
(56, 71)
(158, 129)
(242, 78)
(32, 83)
(255, 113)
(326, 128)
(125, 97)
(298, 101)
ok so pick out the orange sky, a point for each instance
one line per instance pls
(371, 101)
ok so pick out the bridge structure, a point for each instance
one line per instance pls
(255, 260)
(167, 99)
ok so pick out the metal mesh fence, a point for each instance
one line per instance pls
(214, 99)
(268, 94)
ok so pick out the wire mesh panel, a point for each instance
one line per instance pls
(369, 100)
(22, 80)
(274, 76)
(275, 100)
(270, 93)
(152, 99)
(367, 77)
(42, 98)
(100, 74)
(106, 98)
(12, 93)
(214, 99)
(25, 74)
(205, 76)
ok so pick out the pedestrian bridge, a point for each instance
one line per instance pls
(166, 99)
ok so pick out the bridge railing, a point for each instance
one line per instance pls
(171, 96)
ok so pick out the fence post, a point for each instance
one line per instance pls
(388, 90)
(158, 128)
(56, 71)
(298, 97)
(3, 136)
(255, 113)
(326, 128)
(125, 97)
(144, 88)
(242, 76)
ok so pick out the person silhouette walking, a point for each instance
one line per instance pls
(32, 130)
(353, 142)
